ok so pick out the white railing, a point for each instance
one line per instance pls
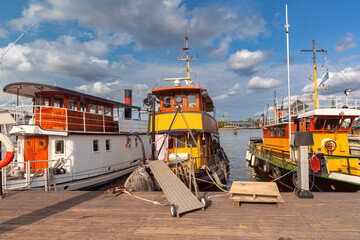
(22, 175)
(73, 120)
(303, 107)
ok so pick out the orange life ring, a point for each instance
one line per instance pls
(261, 122)
(127, 145)
(10, 151)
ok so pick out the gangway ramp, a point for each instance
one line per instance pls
(181, 198)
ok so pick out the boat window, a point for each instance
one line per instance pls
(271, 132)
(346, 123)
(92, 108)
(47, 101)
(108, 110)
(180, 141)
(107, 144)
(308, 121)
(95, 145)
(190, 142)
(167, 102)
(332, 123)
(59, 147)
(72, 103)
(171, 143)
(59, 101)
(179, 101)
(191, 101)
(279, 132)
(319, 124)
(101, 109)
(38, 100)
(283, 132)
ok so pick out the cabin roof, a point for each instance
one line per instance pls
(331, 112)
(27, 89)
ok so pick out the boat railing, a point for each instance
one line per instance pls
(18, 175)
(347, 164)
(64, 119)
(282, 115)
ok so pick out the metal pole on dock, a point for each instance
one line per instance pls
(287, 26)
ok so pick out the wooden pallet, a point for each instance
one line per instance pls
(255, 192)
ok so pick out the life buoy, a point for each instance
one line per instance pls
(10, 150)
(127, 145)
(261, 122)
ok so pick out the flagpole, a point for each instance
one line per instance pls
(287, 26)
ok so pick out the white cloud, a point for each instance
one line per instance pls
(258, 84)
(244, 61)
(150, 23)
(345, 43)
(234, 90)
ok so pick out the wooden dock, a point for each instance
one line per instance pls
(93, 215)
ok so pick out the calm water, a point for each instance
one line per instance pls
(235, 147)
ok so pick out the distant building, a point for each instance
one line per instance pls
(233, 124)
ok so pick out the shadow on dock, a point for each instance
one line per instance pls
(39, 214)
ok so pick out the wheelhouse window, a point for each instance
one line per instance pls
(96, 145)
(346, 123)
(190, 142)
(108, 110)
(47, 101)
(191, 101)
(107, 144)
(271, 132)
(92, 108)
(333, 123)
(279, 132)
(100, 109)
(59, 101)
(319, 124)
(180, 142)
(179, 101)
(167, 102)
(59, 147)
(72, 103)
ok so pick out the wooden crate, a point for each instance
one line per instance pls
(255, 192)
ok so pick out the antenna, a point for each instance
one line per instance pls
(7, 50)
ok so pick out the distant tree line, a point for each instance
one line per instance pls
(249, 120)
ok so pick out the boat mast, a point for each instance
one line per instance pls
(316, 101)
(287, 26)
(187, 59)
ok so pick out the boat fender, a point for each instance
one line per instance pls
(252, 162)
(127, 145)
(248, 155)
(266, 167)
(10, 150)
(257, 162)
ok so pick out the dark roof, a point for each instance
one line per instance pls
(27, 89)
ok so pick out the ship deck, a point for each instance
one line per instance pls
(95, 215)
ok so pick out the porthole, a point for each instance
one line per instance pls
(41, 143)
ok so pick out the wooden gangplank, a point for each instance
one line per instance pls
(175, 190)
(258, 192)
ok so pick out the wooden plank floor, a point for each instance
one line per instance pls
(93, 215)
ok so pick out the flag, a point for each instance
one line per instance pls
(282, 106)
(324, 78)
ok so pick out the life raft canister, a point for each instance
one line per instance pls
(10, 151)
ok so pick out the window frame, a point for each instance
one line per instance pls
(108, 143)
(63, 147)
(97, 144)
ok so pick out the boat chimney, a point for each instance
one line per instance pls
(128, 100)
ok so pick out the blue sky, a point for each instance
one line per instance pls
(102, 47)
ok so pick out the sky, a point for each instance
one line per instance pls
(102, 47)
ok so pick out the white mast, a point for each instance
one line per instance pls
(287, 26)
